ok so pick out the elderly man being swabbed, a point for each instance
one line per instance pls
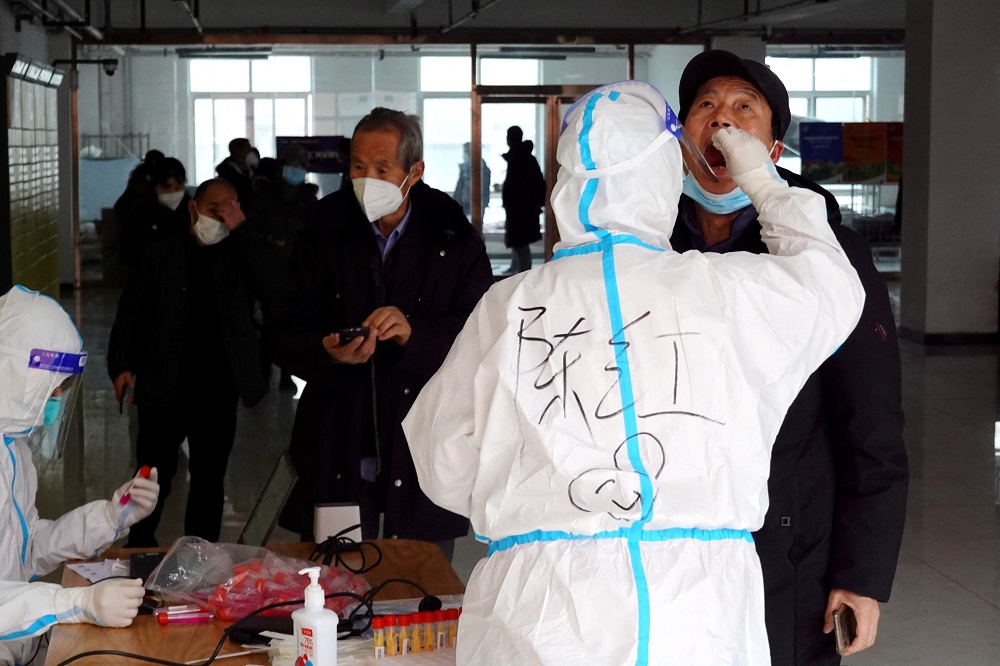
(606, 419)
(41, 363)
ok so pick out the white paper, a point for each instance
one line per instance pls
(95, 571)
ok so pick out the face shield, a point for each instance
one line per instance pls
(52, 426)
(694, 161)
(40, 349)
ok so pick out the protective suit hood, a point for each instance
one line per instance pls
(28, 321)
(620, 173)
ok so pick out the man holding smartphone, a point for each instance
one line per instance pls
(378, 286)
(838, 478)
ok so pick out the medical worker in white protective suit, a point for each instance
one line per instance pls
(41, 362)
(606, 419)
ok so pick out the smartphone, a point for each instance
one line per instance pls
(126, 398)
(845, 628)
(348, 334)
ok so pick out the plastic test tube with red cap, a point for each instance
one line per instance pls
(183, 618)
(144, 472)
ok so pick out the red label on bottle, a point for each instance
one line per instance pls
(307, 632)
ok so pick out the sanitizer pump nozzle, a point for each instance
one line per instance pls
(315, 625)
(315, 597)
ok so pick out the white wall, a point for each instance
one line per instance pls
(31, 41)
(664, 66)
(159, 104)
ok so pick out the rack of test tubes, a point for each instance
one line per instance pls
(415, 633)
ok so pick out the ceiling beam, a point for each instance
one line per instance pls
(402, 6)
(320, 36)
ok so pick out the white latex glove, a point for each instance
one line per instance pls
(748, 163)
(142, 500)
(108, 603)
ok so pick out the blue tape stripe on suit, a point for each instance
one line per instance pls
(648, 536)
(624, 385)
(598, 246)
(20, 515)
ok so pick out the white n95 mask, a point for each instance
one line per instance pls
(378, 198)
(209, 231)
(171, 199)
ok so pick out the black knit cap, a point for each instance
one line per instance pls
(710, 64)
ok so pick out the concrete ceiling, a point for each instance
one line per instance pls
(476, 20)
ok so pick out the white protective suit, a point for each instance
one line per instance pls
(31, 546)
(606, 419)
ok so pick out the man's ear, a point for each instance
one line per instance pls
(193, 210)
(776, 150)
(417, 172)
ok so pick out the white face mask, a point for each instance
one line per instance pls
(171, 199)
(378, 198)
(208, 230)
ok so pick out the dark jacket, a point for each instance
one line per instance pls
(239, 180)
(148, 336)
(435, 274)
(148, 221)
(275, 216)
(839, 475)
(523, 196)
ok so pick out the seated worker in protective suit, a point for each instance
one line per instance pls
(41, 357)
(606, 419)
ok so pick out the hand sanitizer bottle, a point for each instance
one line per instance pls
(315, 626)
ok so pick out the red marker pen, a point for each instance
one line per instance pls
(144, 473)
(185, 618)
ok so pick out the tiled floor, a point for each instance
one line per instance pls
(945, 607)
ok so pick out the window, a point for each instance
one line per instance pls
(445, 74)
(508, 71)
(258, 99)
(830, 89)
(281, 74)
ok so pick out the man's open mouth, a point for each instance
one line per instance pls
(714, 157)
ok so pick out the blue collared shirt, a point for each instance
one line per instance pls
(386, 244)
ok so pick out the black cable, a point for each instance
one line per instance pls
(370, 599)
(44, 638)
(331, 549)
(222, 640)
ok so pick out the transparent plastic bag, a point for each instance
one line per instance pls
(232, 581)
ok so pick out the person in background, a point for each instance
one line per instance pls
(183, 341)
(238, 168)
(617, 506)
(463, 188)
(400, 260)
(138, 189)
(41, 357)
(274, 218)
(164, 214)
(523, 198)
(266, 175)
(838, 479)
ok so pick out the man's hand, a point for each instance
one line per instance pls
(865, 609)
(389, 323)
(353, 352)
(231, 215)
(123, 380)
